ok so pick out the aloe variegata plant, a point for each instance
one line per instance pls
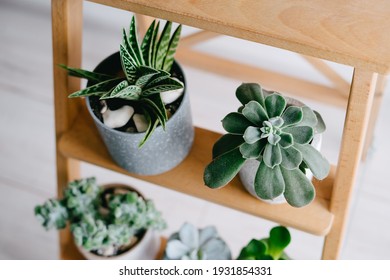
(147, 73)
(278, 135)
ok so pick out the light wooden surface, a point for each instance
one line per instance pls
(352, 32)
(358, 113)
(82, 142)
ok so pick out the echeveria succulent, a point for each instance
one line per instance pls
(278, 135)
(146, 69)
(271, 248)
(191, 243)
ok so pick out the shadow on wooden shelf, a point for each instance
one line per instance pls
(83, 143)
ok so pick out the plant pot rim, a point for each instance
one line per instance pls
(96, 119)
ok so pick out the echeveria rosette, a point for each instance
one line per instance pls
(276, 134)
(146, 69)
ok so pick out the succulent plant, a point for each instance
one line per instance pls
(146, 73)
(271, 248)
(96, 224)
(191, 243)
(276, 134)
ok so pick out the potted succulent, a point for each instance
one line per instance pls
(138, 101)
(271, 248)
(191, 243)
(270, 141)
(107, 222)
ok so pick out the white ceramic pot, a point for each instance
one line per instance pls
(146, 249)
(248, 171)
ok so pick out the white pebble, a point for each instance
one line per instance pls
(140, 122)
(118, 118)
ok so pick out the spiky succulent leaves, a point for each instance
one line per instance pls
(153, 45)
(52, 214)
(162, 45)
(173, 43)
(90, 233)
(160, 84)
(223, 168)
(129, 65)
(133, 42)
(91, 76)
(146, 43)
(97, 89)
(153, 121)
(247, 92)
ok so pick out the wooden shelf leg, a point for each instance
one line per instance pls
(356, 121)
(380, 87)
(67, 30)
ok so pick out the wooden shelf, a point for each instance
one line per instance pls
(83, 143)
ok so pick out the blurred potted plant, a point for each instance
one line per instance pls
(138, 101)
(109, 222)
(272, 141)
(271, 248)
(191, 243)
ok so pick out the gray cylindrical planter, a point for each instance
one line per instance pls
(248, 171)
(163, 150)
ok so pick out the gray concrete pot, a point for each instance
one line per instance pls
(163, 150)
(248, 171)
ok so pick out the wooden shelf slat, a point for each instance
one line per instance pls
(83, 143)
(352, 33)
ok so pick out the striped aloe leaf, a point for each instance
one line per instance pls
(153, 122)
(168, 60)
(157, 110)
(97, 89)
(129, 93)
(153, 46)
(129, 48)
(133, 41)
(163, 85)
(145, 46)
(162, 45)
(128, 64)
(91, 76)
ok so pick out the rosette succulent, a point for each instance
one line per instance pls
(191, 243)
(146, 69)
(276, 134)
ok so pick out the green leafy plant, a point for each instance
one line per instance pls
(191, 243)
(100, 222)
(276, 134)
(271, 248)
(146, 69)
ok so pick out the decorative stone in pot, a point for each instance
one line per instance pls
(277, 132)
(139, 102)
(110, 222)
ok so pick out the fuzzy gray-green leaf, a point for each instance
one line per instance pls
(252, 151)
(269, 182)
(247, 92)
(223, 169)
(320, 126)
(146, 42)
(299, 191)
(235, 123)
(162, 45)
(255, 113)
(317, 163)
(173, 43)
(275, 105)
(226, 143)
(301, 134)
(272, 155)
(252, 134)
(291, 158)
(308, 117)
(286, 140)
(292, 115)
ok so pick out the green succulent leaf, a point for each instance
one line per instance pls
(226, 143)
(247, 92)
(223, 169)
(308, 117)
(128, 93)
(286, 140)
(143, 80)
(133, 41)
(255, 113)
(299, 191)
(235, 123)
(275, 105)
(153, 45)
(252, 134)
(96, 89)
(119, 87)
(269, 182)
(301, 134)
(320, 126)
(129, 48)
(274, 139)
(90, 76)
(255, 250)
(314, 160)
(278, 240)
(173, 43)
(157, 106)
(146, 44)
(291, 158)
(252, 151)
(292, 115)
(128, 64)
(153, 122)
(165, 84)
(272, 155)
(162, 45)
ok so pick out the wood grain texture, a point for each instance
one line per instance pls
(352, 32)
(356, 120)
(83, 142)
